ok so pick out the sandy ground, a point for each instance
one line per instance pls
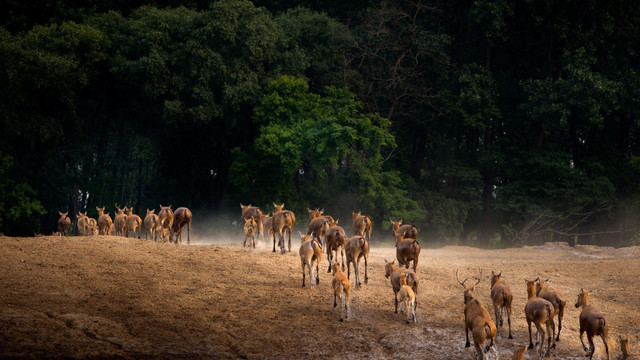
(108, 297)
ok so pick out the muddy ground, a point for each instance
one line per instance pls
(108, 297)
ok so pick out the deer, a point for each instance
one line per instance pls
(82, 223)
(407, 231)
(407, 299)
(361, 225)
(393, 274)
(120, 220)
(250, 229)
(181, 217)
(310, 252)
(166, 221)
(340, 286)
(626, 351)
(318, 227)
(555, 298)
(92, 226)
(133, 223)
(357, 247)
(249, 211)
(519, 354)
(314, 213)
(477, 319)
(407, 250)
(151, 224)
(335, 238)
(539, 311)
(64, 223)
(104, 222)
(592, 322)
(283, 222)
(502, 298)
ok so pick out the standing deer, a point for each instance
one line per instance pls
(181, 217)
(64, 223)
(407, 231)
(310, 252)
(555, 298)
(478, 320)
(394, 273)
(502, 298)
(626, 350)
(166, 221)
(335, 238)
(539, 311)
(592, 322)
(361, 225)
(152, 225)
(105, 224)
(357, 247)
(82, 223)
(283, 222)
(133, 223)
(120, 221)
(254, 212)
(407, 250)
(250, 229)
(340, 286)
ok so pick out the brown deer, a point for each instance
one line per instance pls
(64, 223)
(82, 223)
(539, 311)
(407, 250)
(105, 224)
(314, 213)
(120, 220)
(151, 225)
(357, 247)
(555, 298)
(502, 298)
(393, 274)
(362, 225)
(133, 223)
(626, 351)
(340, 286)
(318, 227)
(407, 231)
(254, 212)
(407, 299)
(283, 222)
(250, 229)
(592, 322)
(335, 238)
(310, 252)
(166, 220)
(478, 320)
(181, 217)
(519, 354)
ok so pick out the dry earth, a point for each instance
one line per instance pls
(108, 297)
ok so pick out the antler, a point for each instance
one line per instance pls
(461, 282)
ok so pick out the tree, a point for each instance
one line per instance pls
(314, 149)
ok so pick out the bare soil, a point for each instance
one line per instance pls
(109, 297)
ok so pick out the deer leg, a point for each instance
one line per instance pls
(606, 347)
(303, 274)
(341, 253)
(509, 321)
(584, 347)
(317, 272)
(553, 333)
(356, 270)
(592, 347)
(530, 339)
(366, 277)
(396, 302)
(466, 333)
(310, 267)
(189, 235)
(273, 234)
(290, 239)
(560, 315)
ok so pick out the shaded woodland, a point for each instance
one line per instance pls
(489, 123)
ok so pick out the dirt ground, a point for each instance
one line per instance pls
(108, 297)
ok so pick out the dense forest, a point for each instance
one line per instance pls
(489, 123)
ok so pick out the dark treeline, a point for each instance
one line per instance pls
(491, 123)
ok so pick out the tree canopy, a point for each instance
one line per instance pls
(490, 123)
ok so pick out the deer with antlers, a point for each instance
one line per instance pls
(478, 320)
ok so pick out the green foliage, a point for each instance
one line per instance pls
(19, 203)
(316, 149)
